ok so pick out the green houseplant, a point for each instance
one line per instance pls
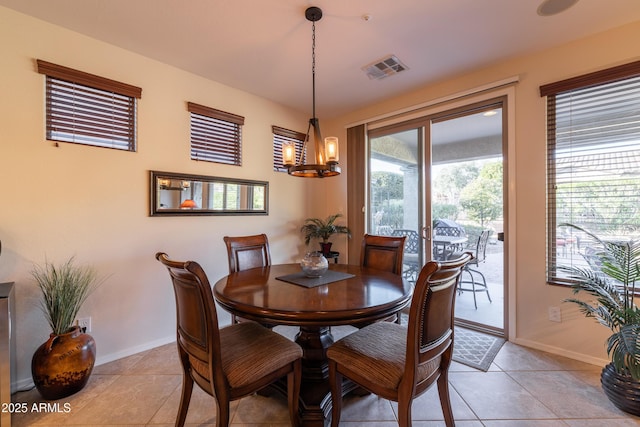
(62, 365)
(610, 282)
(316, 228)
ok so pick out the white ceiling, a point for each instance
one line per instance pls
(264, 47)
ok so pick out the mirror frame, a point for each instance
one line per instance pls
(155, 188)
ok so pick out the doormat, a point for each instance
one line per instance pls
(475, 349)
(472, 348)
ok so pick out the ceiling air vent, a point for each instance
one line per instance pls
(384, 68)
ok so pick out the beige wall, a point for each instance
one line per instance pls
(93, 203)
(575, 336)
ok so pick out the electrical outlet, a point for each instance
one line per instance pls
(555, 315)
(85, 324)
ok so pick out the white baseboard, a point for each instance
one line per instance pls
(561, 352)
(27, 383)
(101, 360)
(22, 385)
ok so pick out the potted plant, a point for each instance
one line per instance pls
(610, 281)
(61, 366)
(316, 228)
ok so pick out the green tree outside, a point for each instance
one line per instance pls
(481, 199)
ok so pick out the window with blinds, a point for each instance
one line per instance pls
(280, 136)
(593, 162)
(87, 109)
(216, 136)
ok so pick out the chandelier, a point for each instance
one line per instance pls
(325, 161)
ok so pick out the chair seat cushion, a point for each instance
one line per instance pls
(377, 352)
(251, 351)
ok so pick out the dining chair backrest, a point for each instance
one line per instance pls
(431, 316)
(383, 252)
(245, 252)
(198, 334)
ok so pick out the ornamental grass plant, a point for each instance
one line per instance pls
(64, 288)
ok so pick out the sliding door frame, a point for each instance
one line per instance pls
(421, 125)
(357, 210)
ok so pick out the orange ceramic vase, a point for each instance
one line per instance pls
(62, 366)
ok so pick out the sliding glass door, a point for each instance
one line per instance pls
(467, 207)
(438, 180)
(396, 206)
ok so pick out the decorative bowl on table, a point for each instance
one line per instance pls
(314, 264)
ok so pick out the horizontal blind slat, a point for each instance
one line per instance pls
(89, 116)
(215, 139)
(593, 140)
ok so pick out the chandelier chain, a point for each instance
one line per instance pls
(313, 66)
(322, 166)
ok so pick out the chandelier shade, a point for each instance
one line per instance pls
(325, 152)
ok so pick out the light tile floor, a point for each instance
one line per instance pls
(523, 388)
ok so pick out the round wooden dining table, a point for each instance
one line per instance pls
(358, 296)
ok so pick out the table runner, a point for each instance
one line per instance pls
(311, 282)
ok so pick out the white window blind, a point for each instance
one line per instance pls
(280, 136)
(593, 167)
(86, 109)
(216, 136)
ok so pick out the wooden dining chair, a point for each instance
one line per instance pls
(228, 363)
(398, 362)
(384, 253)
(245, 252)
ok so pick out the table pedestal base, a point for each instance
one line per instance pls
(314, 343)
(315, 394)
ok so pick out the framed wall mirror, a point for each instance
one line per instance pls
(183, 194)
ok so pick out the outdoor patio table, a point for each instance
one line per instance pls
(445, 246)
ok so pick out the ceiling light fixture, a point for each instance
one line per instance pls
(325, 152)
